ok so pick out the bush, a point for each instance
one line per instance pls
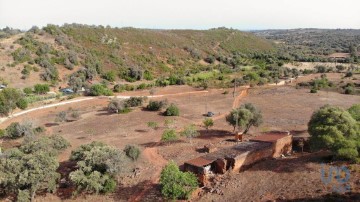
(22, 104)
(169, 136)
(61, 116)
(132, 151)
(109, 186)
(313, 90)
(148, 76)
(27, 91)
(156, 105)
(355, 112)
(208, 122)
(348, 74)
(117, 106)
(41, 88)
(153, 125)
(172, 110)
(99, 89)
(134, 101)
(349, 90)
(119, 88)
(176, 184)
(110, 76)
(16, 130)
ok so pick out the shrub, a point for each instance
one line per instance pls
(117, 106)
(22, 104)
(134, 101)
(169, 136)
(27, 91)
(110, 76)
(148, 76)
(61, 116)
(349, 90)
(41, 88)
(208, 122)
(99, 89)
(16, 130)
(119, 88)
(190, 132)
(156, 105)
(172, 110)
(176, 184)
(349, 74)
(313, 90)
(355, 112)
(153, 125)
(132, 151)
(109, 186)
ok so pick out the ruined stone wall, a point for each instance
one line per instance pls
(282, 146)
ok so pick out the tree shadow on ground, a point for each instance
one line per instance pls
(124, 193)
(104, 112)
(66, 188)
(159, 144)
(292, 164)
(210, 134)
(329, 197)
(48, 125)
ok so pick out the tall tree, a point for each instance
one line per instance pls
(244, 117)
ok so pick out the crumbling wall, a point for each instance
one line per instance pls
(282, 146)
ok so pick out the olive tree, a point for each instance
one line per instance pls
(245, 116)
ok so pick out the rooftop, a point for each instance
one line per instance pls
(229, 152)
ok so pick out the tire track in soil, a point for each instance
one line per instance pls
(152, 155)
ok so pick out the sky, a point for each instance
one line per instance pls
(183, 14)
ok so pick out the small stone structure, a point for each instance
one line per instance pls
(239, 157)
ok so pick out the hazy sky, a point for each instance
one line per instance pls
(180, 14)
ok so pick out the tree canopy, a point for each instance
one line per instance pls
(244, 117)
(176, 184)
(335, 129)
(32, 167)
(98, 164)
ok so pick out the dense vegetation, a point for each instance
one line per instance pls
(313, 45)
(31, 167)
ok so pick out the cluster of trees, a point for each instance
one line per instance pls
(314, 45)
(10, 99)
(337, 130)
(31, 167)
(98, 165)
